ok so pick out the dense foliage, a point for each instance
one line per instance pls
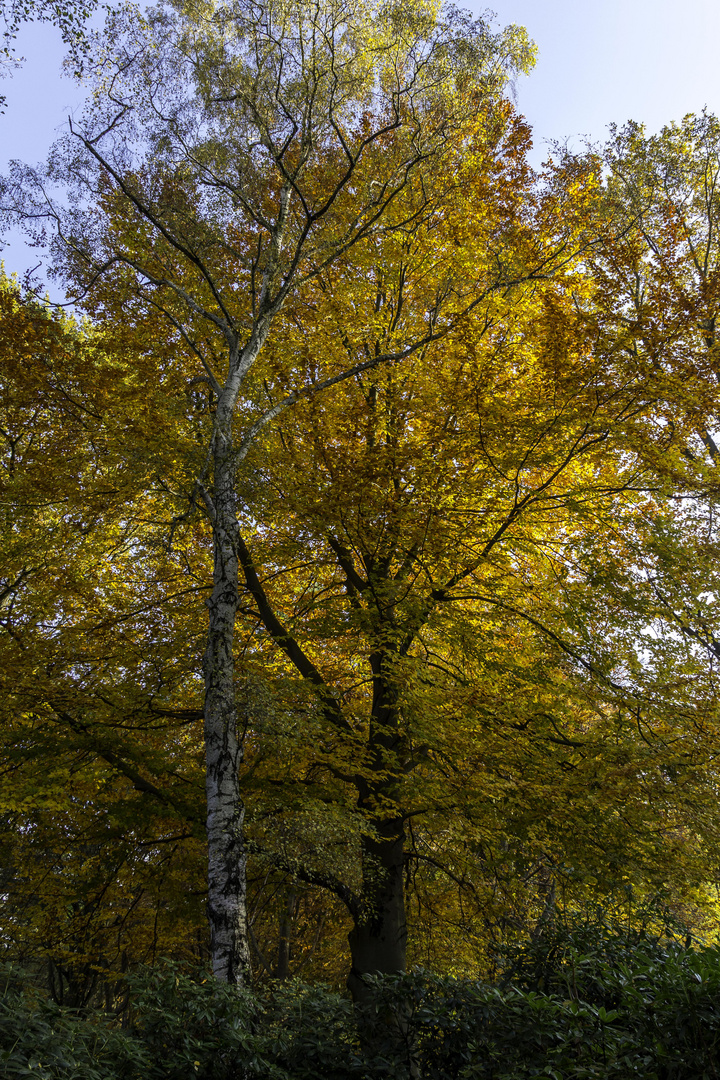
(358, 567)
(613, 1004)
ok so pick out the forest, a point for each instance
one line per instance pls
(359, 566)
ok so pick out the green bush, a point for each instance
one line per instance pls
(213, 1032)
(42, 1041)
(614, 1004)
(461, 1029)
(617, 1008)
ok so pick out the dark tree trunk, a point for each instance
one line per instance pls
(378, 941)
(282, 971)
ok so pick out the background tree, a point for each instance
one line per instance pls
(101, 800)
(657, 300)
(70, 17)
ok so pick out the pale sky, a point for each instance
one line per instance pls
(599, 62)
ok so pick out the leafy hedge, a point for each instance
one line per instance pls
(611, 1007)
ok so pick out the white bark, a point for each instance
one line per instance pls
(223, 750)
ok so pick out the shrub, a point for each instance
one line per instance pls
(616, 1009)
(43, 1041)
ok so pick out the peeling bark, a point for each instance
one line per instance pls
(227, 907)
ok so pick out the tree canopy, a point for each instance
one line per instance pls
(359, 531)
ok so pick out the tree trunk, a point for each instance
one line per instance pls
(282, 970)
(227, 909)
(378, 941)
(378, 946)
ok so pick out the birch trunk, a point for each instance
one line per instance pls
(227, 910)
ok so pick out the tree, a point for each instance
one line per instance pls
(101, 762)
(229, 156)
(419, 569)
(70, 16)
(658, 301)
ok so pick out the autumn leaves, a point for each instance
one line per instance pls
(416, 430)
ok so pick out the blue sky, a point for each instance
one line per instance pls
(608, 61)
(599, 62)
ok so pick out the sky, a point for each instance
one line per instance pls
(598, 63)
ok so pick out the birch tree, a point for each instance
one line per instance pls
(231, 153)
